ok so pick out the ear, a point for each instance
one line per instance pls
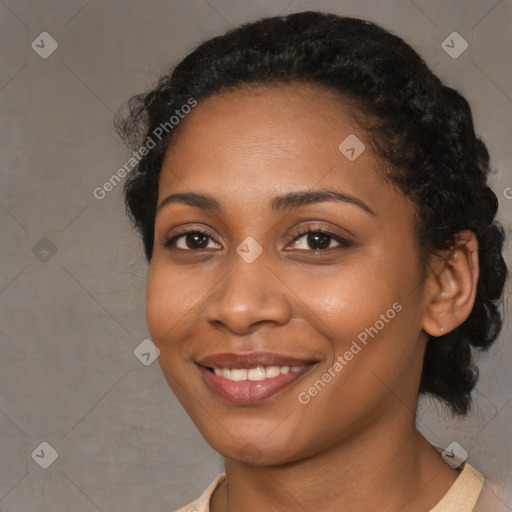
(451, 285)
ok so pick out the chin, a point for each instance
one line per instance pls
(255, 446)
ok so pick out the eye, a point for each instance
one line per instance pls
(313, 239)
(190, 240)
(317, 239)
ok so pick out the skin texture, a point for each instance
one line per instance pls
(354, 445)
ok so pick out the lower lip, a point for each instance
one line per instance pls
(249, 392)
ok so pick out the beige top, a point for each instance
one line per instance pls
(461, 497)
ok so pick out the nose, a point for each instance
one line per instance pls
(249, 294)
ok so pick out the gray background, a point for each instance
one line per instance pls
(71, 319)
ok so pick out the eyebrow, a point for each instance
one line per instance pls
(278, 204)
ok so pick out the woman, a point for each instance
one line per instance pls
(322, 249)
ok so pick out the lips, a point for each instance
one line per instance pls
(247, 379)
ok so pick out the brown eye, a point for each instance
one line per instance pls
(318, 240)
(190, 241)
(196, 241)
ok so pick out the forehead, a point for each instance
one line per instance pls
(258, 140)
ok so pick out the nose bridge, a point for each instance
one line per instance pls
(248, 293)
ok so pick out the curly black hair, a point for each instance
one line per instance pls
(421, 128)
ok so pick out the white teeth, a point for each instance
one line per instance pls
(256, 373)
(238, 374)
(272, 371)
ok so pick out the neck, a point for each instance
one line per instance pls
(381, 468)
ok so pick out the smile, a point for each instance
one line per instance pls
(248, 379)
(255, 374)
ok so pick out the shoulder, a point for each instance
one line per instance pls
(202, 504)
(467, 494)
(488, 500)
(464, 493)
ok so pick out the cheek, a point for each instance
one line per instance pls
(351, 298)
(369, 314)
(158, 305)
(168, 318)
(165, 307)
(172, 299)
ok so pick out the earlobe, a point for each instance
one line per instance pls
(452, 285)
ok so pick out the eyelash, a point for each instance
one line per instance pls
(298, 233)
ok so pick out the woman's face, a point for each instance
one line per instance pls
(278, 343)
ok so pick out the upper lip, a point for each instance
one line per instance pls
(250, 360)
